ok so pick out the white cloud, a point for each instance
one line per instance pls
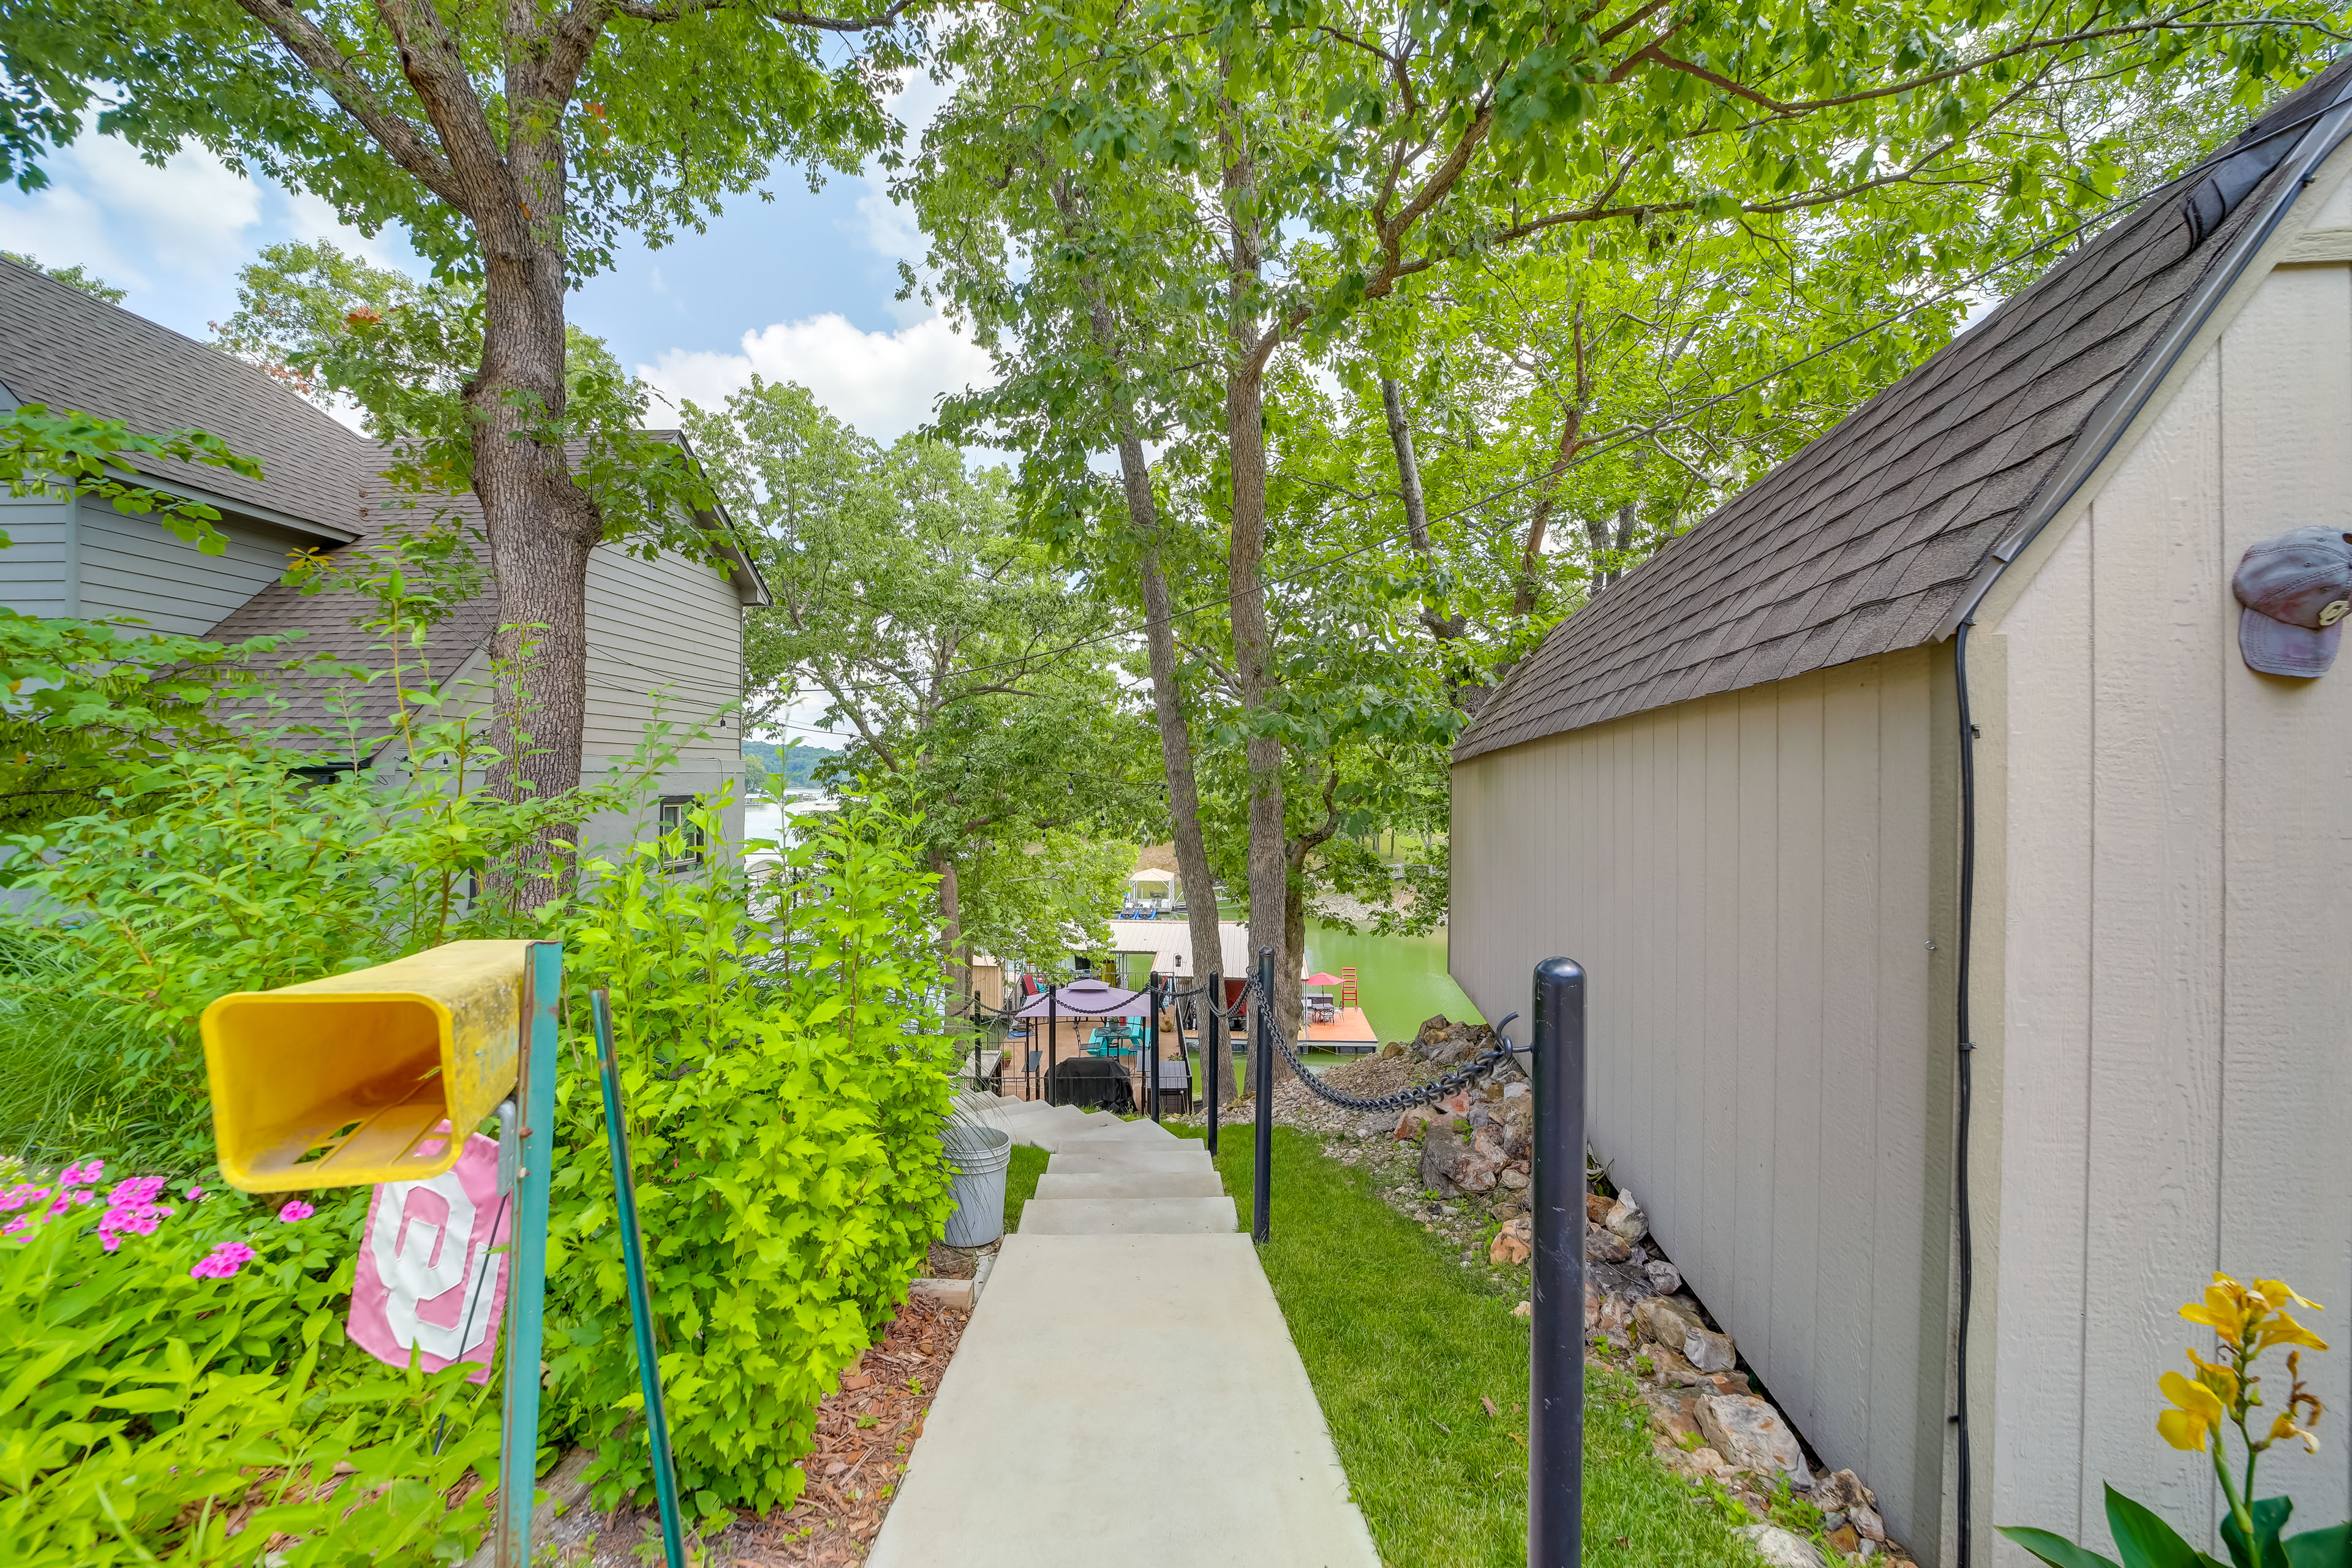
(172, 235)
(886, 383)
(107, 206)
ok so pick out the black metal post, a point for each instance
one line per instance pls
(1216, 1054)
(1262, 1085)
(1151, 1048)
(1053, 1027)
(1556, 1366)
(978, 1038)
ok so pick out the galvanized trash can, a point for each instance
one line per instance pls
(978, 1156)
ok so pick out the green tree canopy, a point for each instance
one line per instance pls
(975, 681)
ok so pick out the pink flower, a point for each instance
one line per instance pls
(16, 1197)
(131, 1210)
(295, 1210)
(17, 1226)
(224, 1261)
(195, 1193)
(82, 1175)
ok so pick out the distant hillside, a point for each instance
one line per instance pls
(772, 766)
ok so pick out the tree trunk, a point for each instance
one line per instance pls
(541, 526)
(1253, 671)
(1176, 754)
(1167, 703)
(1254, 674)
(958, 974)
(1416, 510)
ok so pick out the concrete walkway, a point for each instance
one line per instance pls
(1126, 1392)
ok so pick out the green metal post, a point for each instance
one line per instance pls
(641, 1306)
(527, 1271)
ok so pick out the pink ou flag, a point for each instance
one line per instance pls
(427, 1278)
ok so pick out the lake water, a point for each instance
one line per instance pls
(1402, 978)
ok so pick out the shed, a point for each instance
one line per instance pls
(1734, 786)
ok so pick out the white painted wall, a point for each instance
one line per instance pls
(2172, 1009)
(1750, 881)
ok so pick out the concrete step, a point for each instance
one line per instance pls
(1137, 1132)
(1034, 1455)
(1132, 1184)
(1128, 1216)
(1067, 1128)
(1125, 1159)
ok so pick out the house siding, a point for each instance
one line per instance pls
(37, 574)
(2173, 1006)
(133, 568)
(1751, 882)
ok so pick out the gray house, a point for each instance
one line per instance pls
(664, 632)
(2010, 607)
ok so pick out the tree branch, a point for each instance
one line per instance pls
(401, 138)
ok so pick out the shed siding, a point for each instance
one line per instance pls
(1747, 880)
(2175, 1008)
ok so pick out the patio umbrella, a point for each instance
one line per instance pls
(1319, 978)
(1090, 999)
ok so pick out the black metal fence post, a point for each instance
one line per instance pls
(1262, 1085)
(1151, 1048)
(1216, 1054)
(1053, 1027)
(1556, 1364)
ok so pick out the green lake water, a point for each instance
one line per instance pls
(1402, 978)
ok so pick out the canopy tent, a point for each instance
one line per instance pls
(1090, 999)
(1147, 875)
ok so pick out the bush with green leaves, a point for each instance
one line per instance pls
(785, 1079)
(178, 1388)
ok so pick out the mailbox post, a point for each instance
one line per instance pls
(382, 1075)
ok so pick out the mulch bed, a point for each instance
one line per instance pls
(863, 1433)
(852, 1472)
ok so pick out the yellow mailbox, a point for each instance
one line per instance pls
(349, 1081)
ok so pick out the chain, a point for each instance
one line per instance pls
(1429, 1093)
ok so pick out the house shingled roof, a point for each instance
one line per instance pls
(66, 349)
(1867, 539)
(69, 350)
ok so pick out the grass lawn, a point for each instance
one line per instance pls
(1401, 1341)
(1020, 1182)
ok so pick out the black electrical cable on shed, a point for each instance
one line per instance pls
(1967, 1052)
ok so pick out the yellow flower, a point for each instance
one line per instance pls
(2278, 1293)
(2221, 1380)
(2284, 1330)
(2223, 1310)
(2200, 1413)
(2284, 1427)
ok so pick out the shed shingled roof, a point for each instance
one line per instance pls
(1864, 541)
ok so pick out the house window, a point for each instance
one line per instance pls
(675, 818)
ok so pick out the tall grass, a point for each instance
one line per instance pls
(63, 1090)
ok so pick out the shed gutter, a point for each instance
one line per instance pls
(2123, 404)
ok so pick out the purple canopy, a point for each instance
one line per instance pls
(1090, 999)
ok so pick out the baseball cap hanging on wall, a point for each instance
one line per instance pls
(2296, 588)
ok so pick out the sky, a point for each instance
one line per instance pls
(802, 288)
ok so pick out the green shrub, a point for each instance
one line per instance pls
(785, 1077)
(178, 1387)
